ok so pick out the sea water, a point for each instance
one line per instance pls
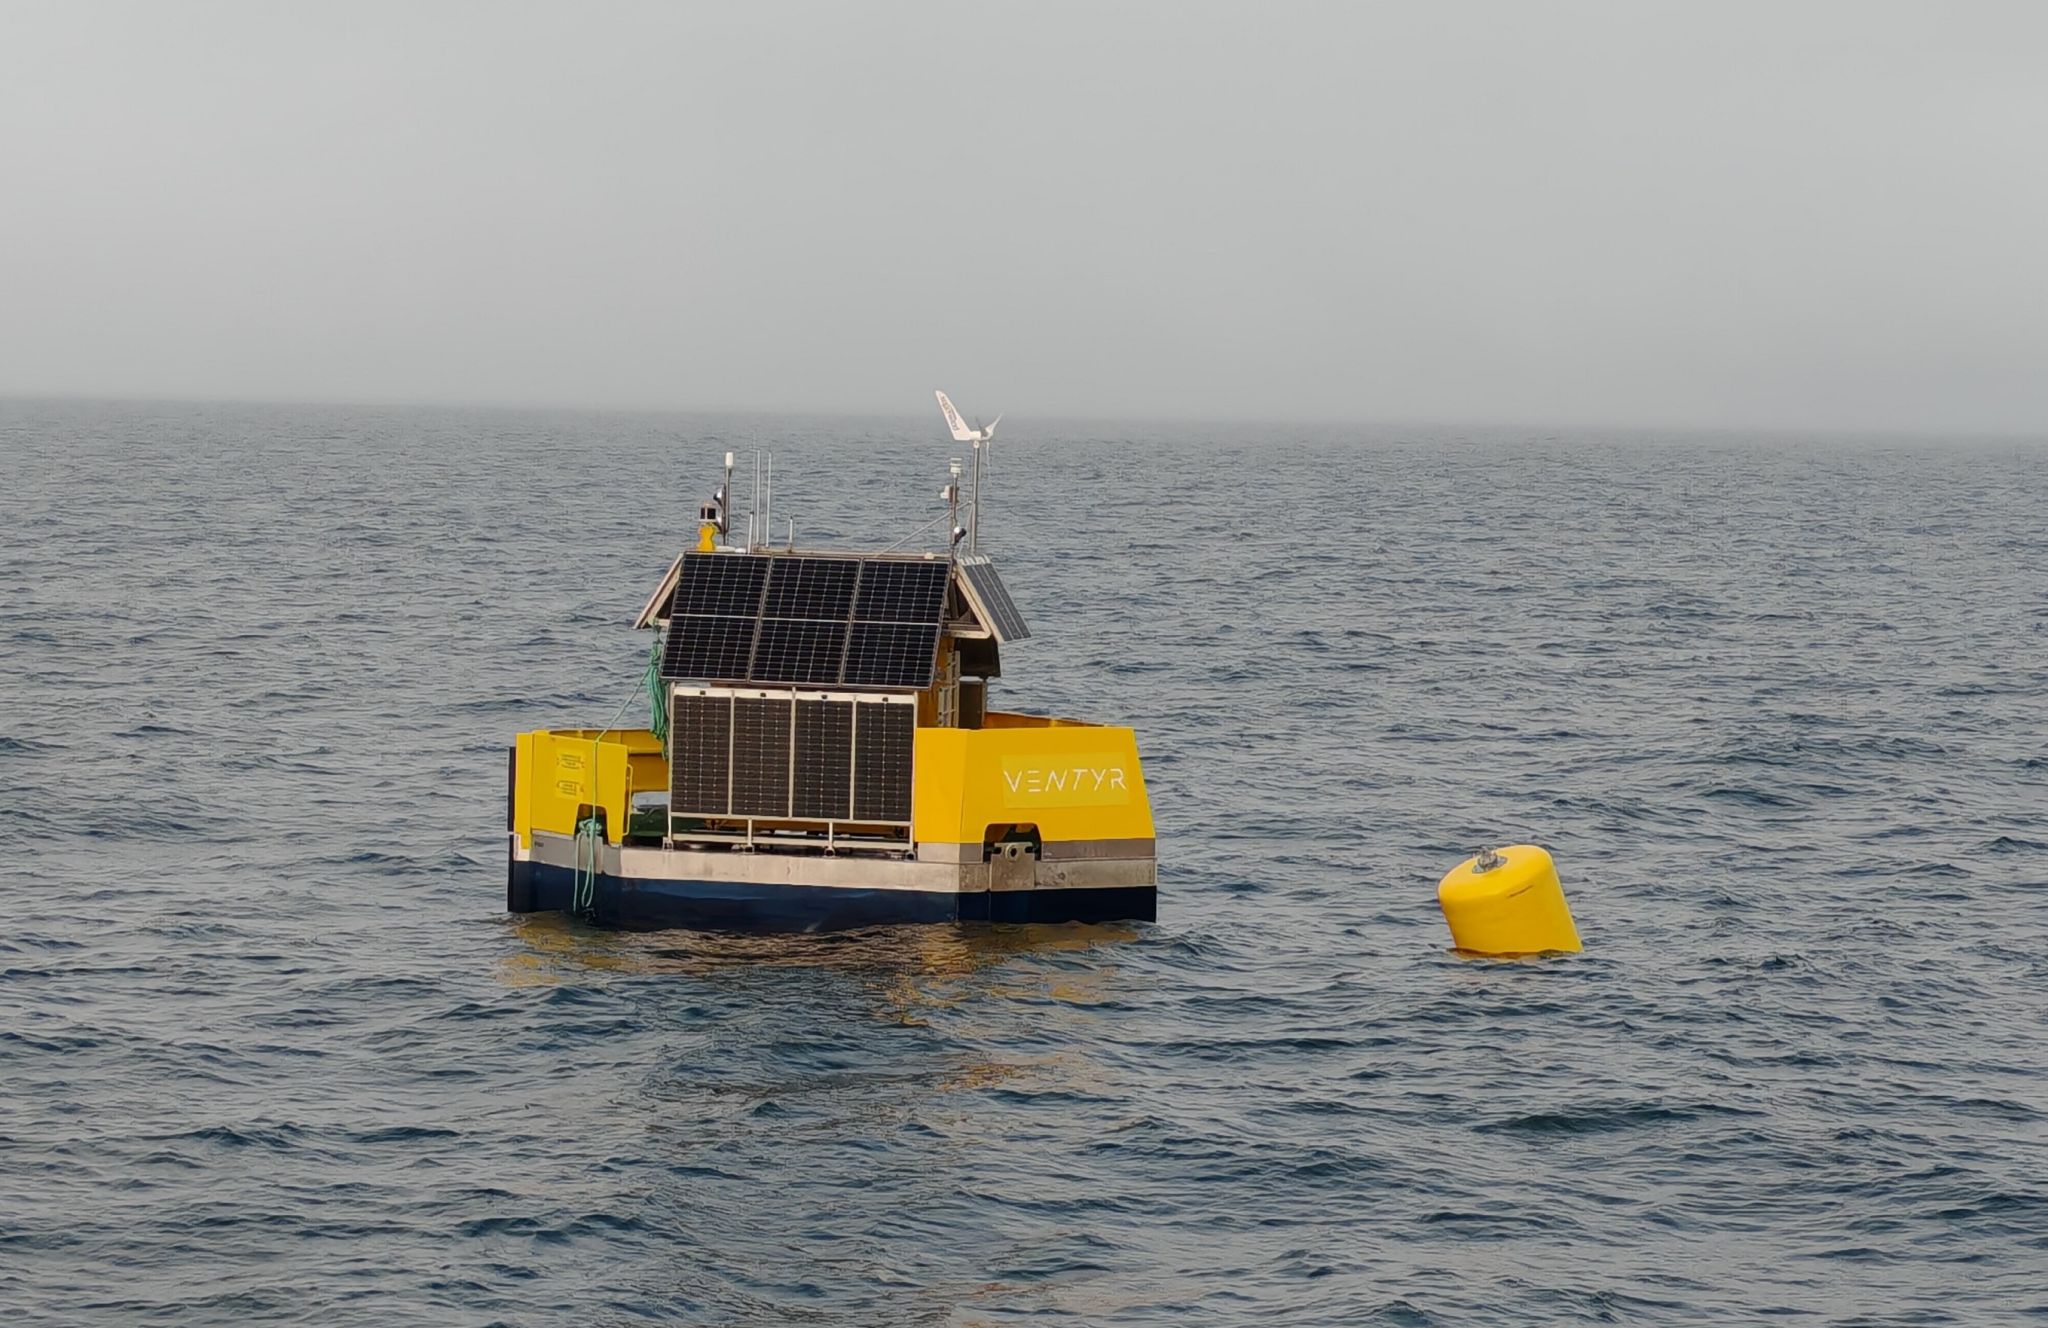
(272, 1051)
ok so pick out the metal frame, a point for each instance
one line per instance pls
(947, 689)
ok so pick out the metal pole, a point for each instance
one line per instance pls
(725, 502)
(754, 501)
(952, 505)
(974, 506)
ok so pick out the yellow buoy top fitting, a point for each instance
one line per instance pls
(1508, 902)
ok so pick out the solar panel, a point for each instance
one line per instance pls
(992, 600)
(806, 620)
(883, 737)
(824, 760)
(912, 592)
(896, 617)
(771, 758)
(792, 651)
(707, 647)
(720, 583)
(820, 589)
(700, 753)
(760, 757)
(713, 616)
(891, 655)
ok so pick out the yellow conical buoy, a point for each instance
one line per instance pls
(1507, 902)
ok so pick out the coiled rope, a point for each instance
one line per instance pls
(590, 830)
(657, 693)
(589, 835)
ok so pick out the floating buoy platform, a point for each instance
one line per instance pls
(1508, 902)
(824, 750)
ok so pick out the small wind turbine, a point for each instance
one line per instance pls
(961, 433)
(981, 438)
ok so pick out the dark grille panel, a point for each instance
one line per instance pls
(700, 748)
(881, 764)
(731, 757)
(760, 757)
(824, 760)
(800, 652)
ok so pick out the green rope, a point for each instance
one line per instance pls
(657, 693)
(590, 830)
(589, 835)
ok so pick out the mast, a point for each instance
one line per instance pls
(981, 438)
(974, 504)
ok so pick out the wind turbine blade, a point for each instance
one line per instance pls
(961, 433)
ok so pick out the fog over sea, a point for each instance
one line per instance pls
(271, 1051)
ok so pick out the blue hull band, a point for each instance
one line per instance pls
(537, 887)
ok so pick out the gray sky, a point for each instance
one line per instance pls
(1712, 213)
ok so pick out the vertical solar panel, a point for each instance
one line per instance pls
(781, 758)
(883, 735)
(700, 747)
(824, 761)
(760, 757)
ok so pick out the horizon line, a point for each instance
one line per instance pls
(1534, 425)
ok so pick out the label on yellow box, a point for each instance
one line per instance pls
(1067, 779)
(569, 773)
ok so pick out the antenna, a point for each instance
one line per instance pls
(759, 532)
(725, 501)
(980, 437)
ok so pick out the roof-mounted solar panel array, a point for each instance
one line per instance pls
(804, 620)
